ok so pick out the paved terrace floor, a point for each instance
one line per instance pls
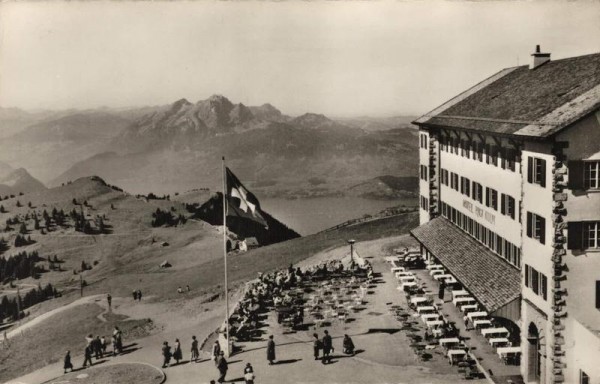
(384, 352)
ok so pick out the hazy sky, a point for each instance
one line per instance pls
(337, 58)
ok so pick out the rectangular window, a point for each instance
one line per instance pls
(591, 234)
(536, 227)
(591, 175)
(477, 192)
(465, 186)
(423, 170)
(536, 171)
(491, 198)
(538, 282)
(424, 203)
(507, 205)
(597, 294)
(455, 180)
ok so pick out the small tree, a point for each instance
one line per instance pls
(23, 229)
(19, 204)
(2, 210)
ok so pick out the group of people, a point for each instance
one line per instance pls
(326, 345)
(96, 347)
(177, 354)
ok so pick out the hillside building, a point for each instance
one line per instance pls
(510, 205)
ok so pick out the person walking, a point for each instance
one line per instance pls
(216, 352)
(117, 341)
(67, 362)
(249, 374)
(97, 346)
(177, 354)
(166, 352)
(222, 366)
(103, 344)
(109, 301)
(442, 290)
(317, 346)
(327, 348)
(87, 356)
(134, 293)
(348, 345)
(271, 350)
(194, 350)
(139, 295)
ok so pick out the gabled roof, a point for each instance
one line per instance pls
(525, 102)
(489, 279)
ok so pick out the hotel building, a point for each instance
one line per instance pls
(510, 205)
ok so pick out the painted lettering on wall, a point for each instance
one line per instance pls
(479, 212)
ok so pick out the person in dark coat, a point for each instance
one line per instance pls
(271, 350)
(109, 300)
(194, 350)
(139, 295)
(166, 352)
(67, 364)
(97, 346)
(134, 293)
(216, 352)
(442, 290)
(348, 345)
(177, 354)
(317, 346)
(327, 348)
(88, 356)
(222, 367)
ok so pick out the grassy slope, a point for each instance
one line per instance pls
(47, 343)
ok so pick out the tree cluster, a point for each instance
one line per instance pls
(9, 307)
(166, 218)
(19, 266)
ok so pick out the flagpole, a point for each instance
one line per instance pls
(225, 255)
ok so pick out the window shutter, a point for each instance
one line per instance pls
(576, 175)
(503, 204)
(529, 224)
(542, 229)
(543, 171)
(574, 235)
(597, 294)
(529, 169)
(527, 275)
(544, 287)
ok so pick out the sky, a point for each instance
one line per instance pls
(338, 58)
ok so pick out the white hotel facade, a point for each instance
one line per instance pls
(510, 205)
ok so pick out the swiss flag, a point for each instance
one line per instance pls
(241, 202)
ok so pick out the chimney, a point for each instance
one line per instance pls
(539, 58)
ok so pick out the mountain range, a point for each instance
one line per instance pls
(178, 147)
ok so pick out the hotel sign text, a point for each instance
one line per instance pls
(479, 212)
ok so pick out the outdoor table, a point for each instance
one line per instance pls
(494, 331)
(430, 317)
(434, 266)
(507, 350)
(391, 259)
(436, 272)
(398, 269)
(459, 293)
(474, 315)
(404, 274)
(406, 279)
(417, 300)
(407, 284)
(451, 280)
(449, 340)
(469, 308)
(481, 323)
(498, 340)
(433, 323)
(463, 300)
(455, 353)
(437, 332)
(425, 309)
(444, 276)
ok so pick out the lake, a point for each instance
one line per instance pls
(308, 216)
